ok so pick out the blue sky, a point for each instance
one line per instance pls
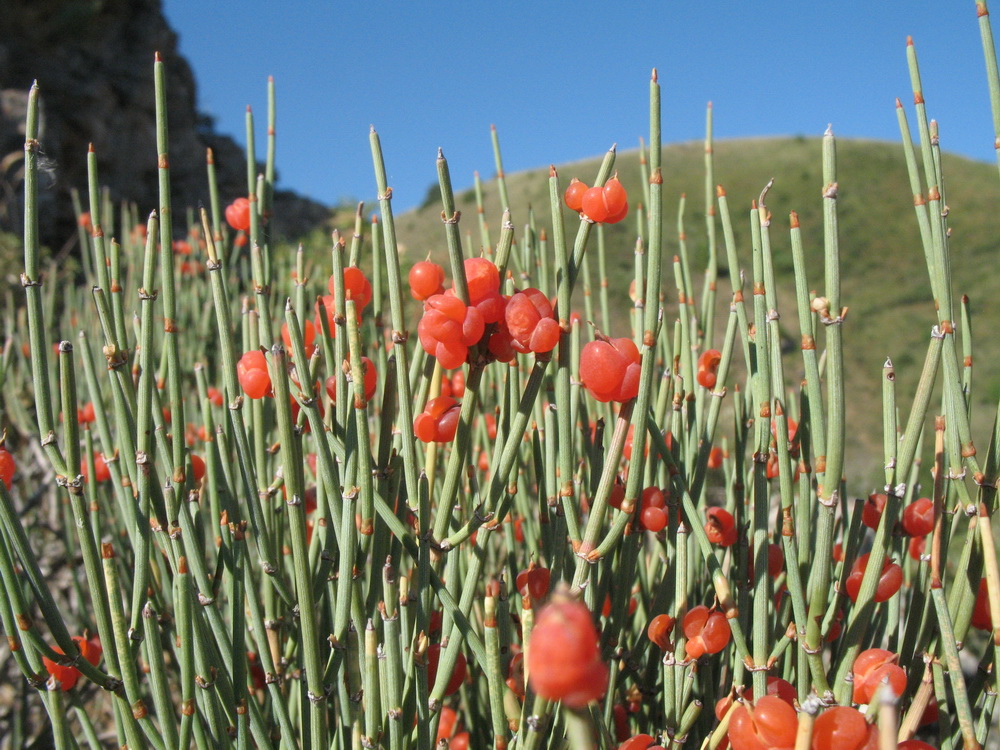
(563, 81)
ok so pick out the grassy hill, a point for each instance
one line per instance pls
(884, 280)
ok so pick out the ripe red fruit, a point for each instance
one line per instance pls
(308, 337)
(426, 280)
(253, 375)
(843, 728)
(371, 381)
(574, 195)
(715, 458)
(616, 200)
(215, 396)
(772, 725)
(238, 215)
(871, 513)
(448, 328)
(888, 583)
(638, 742)
(482, 279)
(918, 517)
(914, 745)
(67, 676)
(85, 414)
(982, 617)
(459, 742)
(356, 287)
(564, 661)
(457, 675)
(652, 515)
(530, 321)
(610, 369)
(915, 549)
(775, 560)
(533, 582)
(720, 527)
(101, 471)
(707, 631)
(438, 421)
(871, 667)
(593, 205)
(447, 723)
(515, 675)
(257, 674)
(8, 467)
(659, 631)
(197, 467)
(708, 368)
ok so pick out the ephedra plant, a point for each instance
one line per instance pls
(288, 526)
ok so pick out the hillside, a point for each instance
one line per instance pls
(884, 278)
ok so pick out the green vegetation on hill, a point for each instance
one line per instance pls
(884, 277)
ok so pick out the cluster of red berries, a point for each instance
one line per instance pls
(564, 659)
(609, 369)
(603, 205)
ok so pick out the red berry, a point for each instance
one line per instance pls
(593, 205)
(215, 396)
(775, 560)
(659, 631)
(86, 414)
(615, 218)
(772, 725)
(197, 467)
(779, 688)
(574, 195)
(888, 583)
(482, 278)
(438, 421)
(843, 728)
(457, 675)
(871, 513)
(918, 517)
(615, 198)
(654, 519)
(708, 367)
(371, 381)
(459, 742)
(67, 676)
(447, 723)
(356, 287)
(101, 471)
(238, 215)
(253, 375)
(533, 582)
(715, 458)
(530, 322)
(982, 617)
(8, 467)
(564, 661)
(914, 745)
(707, 631)
(610, 369)
(915, 549)
(871, 667)
(458, 384)
(515, 675)
(426, 280)
(308, 336)
(720, 527)
(637, 742)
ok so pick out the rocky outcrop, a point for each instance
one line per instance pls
(93, 60)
